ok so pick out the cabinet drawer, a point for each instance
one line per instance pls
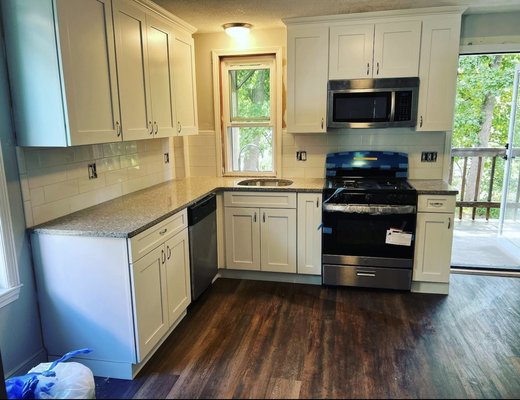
(435, 203)
(146, 241)
(266, 200)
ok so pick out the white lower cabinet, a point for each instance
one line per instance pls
(260, 238)
(309, 233)
(433, 244)
(120, 297)
(161, 284)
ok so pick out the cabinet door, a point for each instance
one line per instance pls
(184, 84)
(242, 229)
(434, 235)
(178, 275)
(351, 51)
(278, 240)
(150, 300)
(89, 70)
(160, 59)
(396, 49)
(132, 69)
(307, 77)
(309, 233)
(438, 72)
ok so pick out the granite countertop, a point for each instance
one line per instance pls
(433, 186)
(128, 215)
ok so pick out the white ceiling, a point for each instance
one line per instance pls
(209, 15)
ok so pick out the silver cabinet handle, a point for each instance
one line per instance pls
(179, 127)
(420, 124)
(163, 257)
(377, 72)
(156, 127)
(322, 121)
(150, 127)
(317, 202)
(254, 218)
(169, 252)
(370, 274)
(437, 204)
(118, 128)
(264, 217)
(368, 69)
(163, 231)
(449, 222)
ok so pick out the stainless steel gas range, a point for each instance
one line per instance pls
(369, 219)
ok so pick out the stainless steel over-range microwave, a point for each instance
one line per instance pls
(372, 103)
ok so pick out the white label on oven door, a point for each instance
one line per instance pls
(398, 237)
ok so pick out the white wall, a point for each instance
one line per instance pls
(202, 149)
(20, 333)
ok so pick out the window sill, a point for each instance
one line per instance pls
(7, 296)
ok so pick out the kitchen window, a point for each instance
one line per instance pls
(249, 130)
(9, 278)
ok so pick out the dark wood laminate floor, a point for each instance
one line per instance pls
(250, 339)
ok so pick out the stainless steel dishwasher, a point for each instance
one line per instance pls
(202, 222)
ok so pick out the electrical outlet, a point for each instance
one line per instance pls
(429, 156)
(166, 158)
(92, 174)
(301, 155)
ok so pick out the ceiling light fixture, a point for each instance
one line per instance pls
(237, 29)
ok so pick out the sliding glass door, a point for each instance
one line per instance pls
(509, 223)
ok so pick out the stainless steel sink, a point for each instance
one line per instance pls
(265, 182)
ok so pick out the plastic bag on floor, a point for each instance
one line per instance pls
(56, 380)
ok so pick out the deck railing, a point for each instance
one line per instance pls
(490, 162)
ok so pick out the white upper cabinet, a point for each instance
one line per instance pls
(307, 70)
(381, 50)
(95, 71)
(438, 72)
(184, 83)
(351, 51)
(132, 68)
(86, 108)
(160, 59)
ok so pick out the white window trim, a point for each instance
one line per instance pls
(216, 55)
(9, 276)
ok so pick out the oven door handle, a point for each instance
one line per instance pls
(370, 209)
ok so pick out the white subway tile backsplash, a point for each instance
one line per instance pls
(136, 172)
(87, 185)
(49, 211)
(130, 147)
(113, 149)
(56, 182)
(46, 176)
(314, 172)
(89, 199)
(60, 190)
(24, 185)
(27, 209)
(37, 196)
(77, 171)
(83, 153)
(130, 160)
(117, 176)
(32, 159)
(109, 163)
(56, 156)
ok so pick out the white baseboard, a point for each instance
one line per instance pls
(269, 276)
(31, 362)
